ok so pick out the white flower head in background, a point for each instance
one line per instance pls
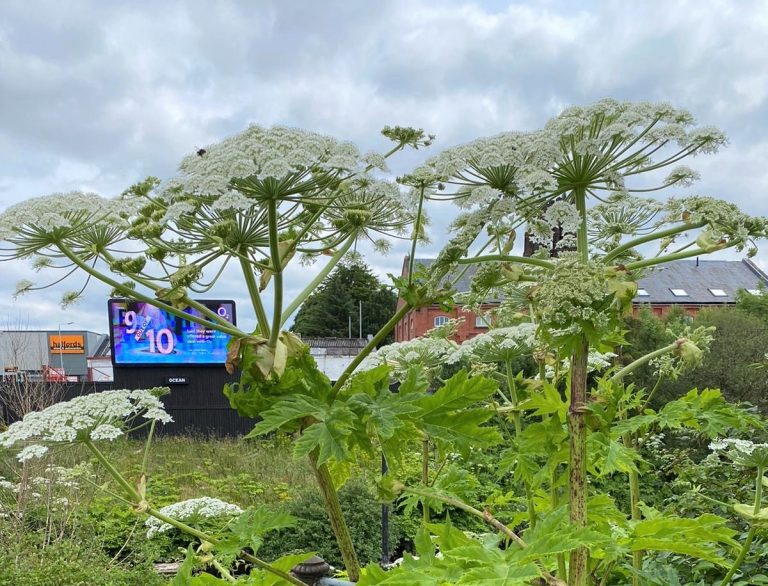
(192, 511)
(743, 452)
(98, 416)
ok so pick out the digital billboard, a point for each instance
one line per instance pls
(143, 335)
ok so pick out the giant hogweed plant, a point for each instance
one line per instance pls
(265, 198)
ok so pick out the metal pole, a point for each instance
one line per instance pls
(360, 334)
(350, 325)
(61, 353)
(61, 349)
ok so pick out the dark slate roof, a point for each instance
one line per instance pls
(464, 283)
(697, 278)
(337, 346)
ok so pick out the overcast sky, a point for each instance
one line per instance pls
(97, 95)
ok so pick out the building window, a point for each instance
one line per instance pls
(480, 322)
(642, 293)
(755, 291)
(679, 292)
(718, 293)
(441, 320)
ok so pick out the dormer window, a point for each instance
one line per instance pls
(679, 292)
(718, 293)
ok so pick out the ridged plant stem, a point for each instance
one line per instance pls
(336, 517)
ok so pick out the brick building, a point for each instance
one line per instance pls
(690, 284)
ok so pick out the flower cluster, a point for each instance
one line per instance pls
(573, 297)
(742, 452)
(429, 353)
(98, 416)
(497, 345)
(57, 211)
(264, 153)
(192, 511)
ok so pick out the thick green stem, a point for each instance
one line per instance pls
(751, 533)
(577, 428)
(130, 490)
(253, 291)
(526, 260)
(312, 286)
(370, 347)
(619, 376)
(649, 262)
(133, 294)
(577, 467)
(634, 505)
(650, 238)
(425, 475)
(517, 419)
(277, 268)
(138, 501)
(415, 236)
(336, 516)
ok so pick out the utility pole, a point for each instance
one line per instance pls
(360, 324)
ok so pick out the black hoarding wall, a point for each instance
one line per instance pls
(196, 401)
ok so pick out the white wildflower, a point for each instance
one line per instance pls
(97, 416)
(192, 511)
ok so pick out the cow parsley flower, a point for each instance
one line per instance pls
(192, 511)
(98, 416)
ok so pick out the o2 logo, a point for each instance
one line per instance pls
(160, 342)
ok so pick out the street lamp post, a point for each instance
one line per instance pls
(61, 348)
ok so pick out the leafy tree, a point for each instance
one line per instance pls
(756, 305)
(739, 342)
(327, 312)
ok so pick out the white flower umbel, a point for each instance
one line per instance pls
(264, 153)
(429, 353)
(99, 416)
(57, 211)
(497, 345)
(192, 511)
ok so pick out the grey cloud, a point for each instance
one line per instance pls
(97, 95)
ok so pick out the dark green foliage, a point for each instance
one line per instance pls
(755, 305)
(740, 341)
(313, 532)
(327, 311)
(68, 563)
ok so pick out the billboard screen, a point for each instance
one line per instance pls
(143, 335)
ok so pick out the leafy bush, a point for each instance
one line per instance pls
(313, 532)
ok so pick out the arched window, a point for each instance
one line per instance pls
(441, 320)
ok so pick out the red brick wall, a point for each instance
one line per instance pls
(418, 321)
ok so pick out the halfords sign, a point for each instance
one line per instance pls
(66, 344)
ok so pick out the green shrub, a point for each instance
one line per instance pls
(313, 531)
(69, 562)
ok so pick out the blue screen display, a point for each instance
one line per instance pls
(142, 334)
